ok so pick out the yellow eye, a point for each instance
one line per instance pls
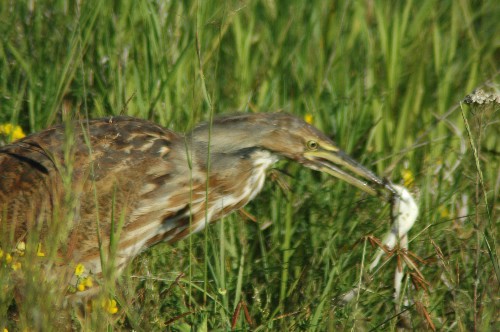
(312, 145)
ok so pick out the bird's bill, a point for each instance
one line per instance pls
(340, 165)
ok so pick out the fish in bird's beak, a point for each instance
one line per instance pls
(334, 161)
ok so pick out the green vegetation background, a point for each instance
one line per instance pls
(384, 78)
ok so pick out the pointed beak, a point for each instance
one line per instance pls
(337, 163)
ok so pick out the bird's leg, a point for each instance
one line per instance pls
(247, 215)
(237, 314)
(278, 176)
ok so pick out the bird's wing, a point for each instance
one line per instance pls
(81, 175)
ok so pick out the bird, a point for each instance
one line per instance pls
(125, 184)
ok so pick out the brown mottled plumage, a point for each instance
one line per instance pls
(141, 182)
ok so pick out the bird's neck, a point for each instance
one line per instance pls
(238, 186)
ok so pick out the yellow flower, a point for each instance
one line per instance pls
(7, 129)
(110, 306)
(5, 330)
(8, 258)
(20, 248)
(16, 266)
(308, 118)
(408, 178)
(85, 283)
(88, 282)
(79, 269)
(444, 212)
(39, 251)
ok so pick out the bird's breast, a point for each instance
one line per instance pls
(262, 161)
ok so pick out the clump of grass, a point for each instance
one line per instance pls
(485, 108)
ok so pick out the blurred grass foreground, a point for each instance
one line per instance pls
(388, 80)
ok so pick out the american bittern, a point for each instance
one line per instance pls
(139, 183)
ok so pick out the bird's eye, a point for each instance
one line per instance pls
(312, 145)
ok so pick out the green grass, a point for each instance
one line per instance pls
(385, 79)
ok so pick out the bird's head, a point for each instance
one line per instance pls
(282, 135)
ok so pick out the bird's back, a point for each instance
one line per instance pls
(61, 183)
